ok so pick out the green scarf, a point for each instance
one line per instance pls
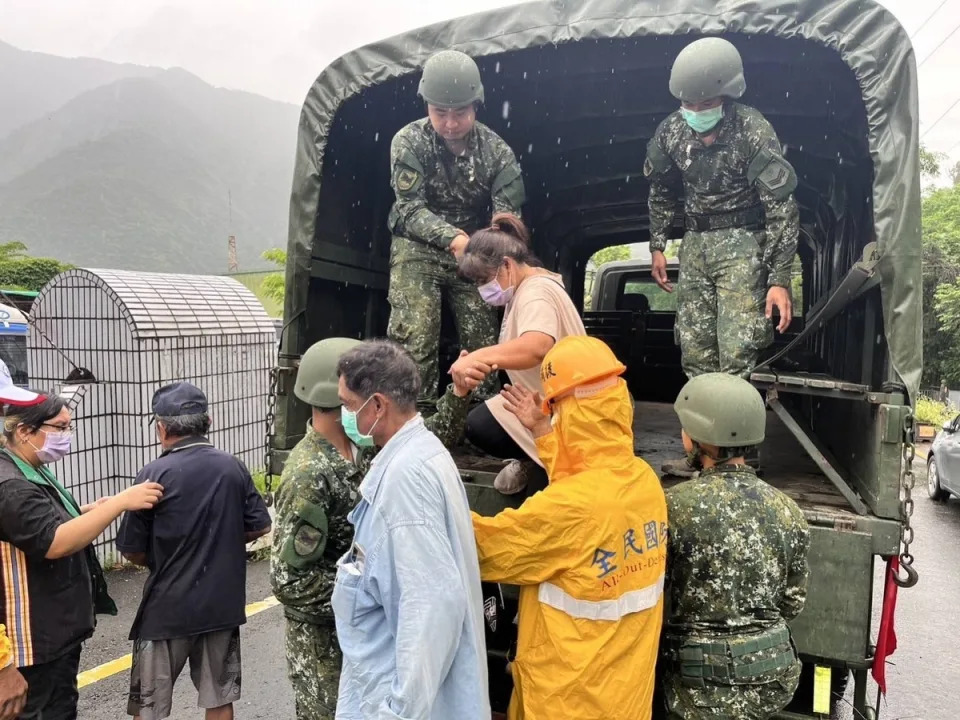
(103, 604)
(44, 477)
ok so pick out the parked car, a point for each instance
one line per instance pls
(943, 462)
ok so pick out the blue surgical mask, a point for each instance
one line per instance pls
(703, 121)
(348, 418)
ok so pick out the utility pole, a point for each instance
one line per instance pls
(232, 265)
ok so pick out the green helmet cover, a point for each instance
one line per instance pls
(451, 79)
(722, 410)
(707, 68)
(317, 380)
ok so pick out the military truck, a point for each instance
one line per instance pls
(577, 89)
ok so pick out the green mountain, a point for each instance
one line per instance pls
(152, 172)
(33, 84)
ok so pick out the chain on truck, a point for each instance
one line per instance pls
(577, 90)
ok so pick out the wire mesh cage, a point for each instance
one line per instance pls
(137, 332)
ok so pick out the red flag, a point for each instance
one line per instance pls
(887, 637)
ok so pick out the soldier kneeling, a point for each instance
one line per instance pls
(737, 565)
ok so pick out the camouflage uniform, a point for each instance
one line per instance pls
(439, 194)
(742, 227)
(737, 572)
(319, 487)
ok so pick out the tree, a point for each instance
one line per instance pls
(610, 254)
(14, 250)
(274, 284)
(19, 271)
(941, 287)
(930, 162)
(955, 173)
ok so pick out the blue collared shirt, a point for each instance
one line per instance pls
(407, 600)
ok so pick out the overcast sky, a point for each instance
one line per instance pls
(278, 47)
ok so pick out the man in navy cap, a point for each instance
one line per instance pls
(194, 544)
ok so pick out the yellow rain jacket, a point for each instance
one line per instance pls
(589, 553)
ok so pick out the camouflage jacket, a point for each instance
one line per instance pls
(439, 193)
(743, 169)
(318, 488)
(737, 555)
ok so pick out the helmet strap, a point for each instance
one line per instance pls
(723, 457)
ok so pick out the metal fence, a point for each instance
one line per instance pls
(136, 332)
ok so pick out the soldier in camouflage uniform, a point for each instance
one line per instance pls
(741, 218)
(737, 566)
(319, 486)
(450, 174)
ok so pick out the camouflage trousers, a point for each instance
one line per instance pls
(421, 278)
(730, 702)
(721, 302)
(313, 665)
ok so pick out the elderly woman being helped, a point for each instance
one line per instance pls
(537, 314)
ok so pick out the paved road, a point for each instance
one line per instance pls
(924, 677)
(266, 694)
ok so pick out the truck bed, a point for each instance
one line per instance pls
(784, 463)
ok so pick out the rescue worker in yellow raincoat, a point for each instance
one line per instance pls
(588, 552)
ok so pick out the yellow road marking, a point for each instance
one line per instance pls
(259, 607)
(101, 672)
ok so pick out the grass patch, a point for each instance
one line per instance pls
(260, 481)
(931, 412)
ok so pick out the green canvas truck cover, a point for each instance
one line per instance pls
(865, 36)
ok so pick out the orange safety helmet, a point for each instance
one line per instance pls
(573, 361)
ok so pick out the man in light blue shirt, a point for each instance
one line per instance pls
(407, 600)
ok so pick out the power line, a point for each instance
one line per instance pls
(937, 121)
(940, 45)
(929, 18)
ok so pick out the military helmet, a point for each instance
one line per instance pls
(451, 79)
(707, 68)
(722, 410)
(576, 360)
(317, 380)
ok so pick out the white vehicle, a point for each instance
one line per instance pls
(13, 343)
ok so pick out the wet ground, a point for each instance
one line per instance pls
(265, 695)
(923, 676)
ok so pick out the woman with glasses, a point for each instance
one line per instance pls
(51, 583)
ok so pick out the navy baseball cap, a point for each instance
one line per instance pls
(179, 399)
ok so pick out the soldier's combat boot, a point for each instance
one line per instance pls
(685, 467)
